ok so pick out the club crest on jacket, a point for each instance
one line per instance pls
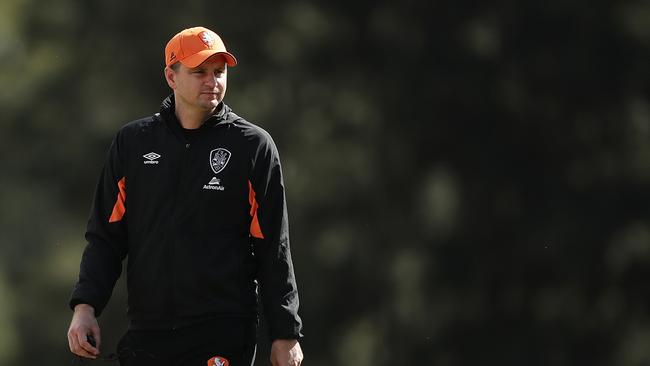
(219, 159)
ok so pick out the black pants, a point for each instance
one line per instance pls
(232, 339)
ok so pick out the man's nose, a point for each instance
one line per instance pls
(211, 80)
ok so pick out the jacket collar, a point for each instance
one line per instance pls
(168, 113)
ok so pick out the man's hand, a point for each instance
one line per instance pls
(286, 352)
(83, 324)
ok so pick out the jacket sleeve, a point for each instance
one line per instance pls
(101, 263)
(270, 235)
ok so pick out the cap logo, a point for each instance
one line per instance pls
(207, 39)
(218, 361)
(172, 57)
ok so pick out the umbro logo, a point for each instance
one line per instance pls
(151, 158)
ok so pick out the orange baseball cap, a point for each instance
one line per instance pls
(193, 46)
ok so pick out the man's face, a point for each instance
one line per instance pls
(202, 87)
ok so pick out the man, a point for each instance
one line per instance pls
(194, 197)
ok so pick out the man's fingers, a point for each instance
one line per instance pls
(83, 325)
(76, 348)
(71, 342)
(98, 338)
(85, 346)
(273, 361)
(83, 353)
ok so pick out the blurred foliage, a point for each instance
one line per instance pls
(468, 181)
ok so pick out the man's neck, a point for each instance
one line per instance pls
(191, 118)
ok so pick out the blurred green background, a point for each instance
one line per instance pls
(468, 182)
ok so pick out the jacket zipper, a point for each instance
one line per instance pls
(173, 303)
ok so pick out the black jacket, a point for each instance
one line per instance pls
(201, 216)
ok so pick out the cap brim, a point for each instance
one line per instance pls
(199, 58)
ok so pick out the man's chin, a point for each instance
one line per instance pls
(211, 105)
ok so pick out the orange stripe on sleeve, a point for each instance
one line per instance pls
(255, 229)
(119, 209)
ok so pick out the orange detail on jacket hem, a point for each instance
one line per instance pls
(119, 209)
(255, 229)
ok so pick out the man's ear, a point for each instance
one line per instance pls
(170, 76)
